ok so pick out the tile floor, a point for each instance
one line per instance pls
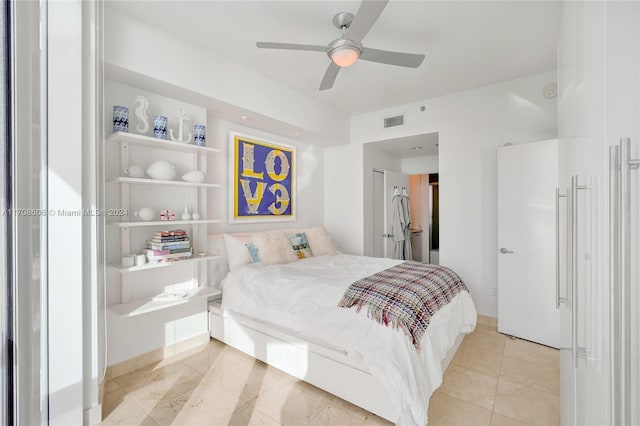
(493, 380)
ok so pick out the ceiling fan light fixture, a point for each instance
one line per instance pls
(345, 56)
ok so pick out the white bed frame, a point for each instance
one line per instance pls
(327, 368)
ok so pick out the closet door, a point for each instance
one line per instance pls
(585, 178)
(623, 114)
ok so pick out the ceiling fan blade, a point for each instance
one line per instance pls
(329, 76)
(291, 46)
(367, 15)
(411, 60)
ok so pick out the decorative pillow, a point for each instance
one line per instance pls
(237, 253)
(274, 248)
(254, 253)
(320, 242)
(300, 245)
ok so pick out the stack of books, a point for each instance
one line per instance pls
(169, 246)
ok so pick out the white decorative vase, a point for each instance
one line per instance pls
(162, 170)
(186, 214)
(195, 176)
(195, 216)
(146, 214)
(135, 171)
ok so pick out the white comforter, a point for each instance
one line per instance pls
(303, 296)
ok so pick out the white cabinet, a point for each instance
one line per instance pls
(140, 287)
(599, 77)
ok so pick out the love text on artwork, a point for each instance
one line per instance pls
(254, 182)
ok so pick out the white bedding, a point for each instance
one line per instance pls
(302, 297)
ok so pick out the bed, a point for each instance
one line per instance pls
(287, 316)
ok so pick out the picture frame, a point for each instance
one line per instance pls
(262, 180)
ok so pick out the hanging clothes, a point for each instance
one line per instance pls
(406, 209)
(398, 225)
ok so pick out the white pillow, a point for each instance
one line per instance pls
(320, 242)
(237, 253)
(274, 248)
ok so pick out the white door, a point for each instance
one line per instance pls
(527, 180)
(378, 214)
(392, 180)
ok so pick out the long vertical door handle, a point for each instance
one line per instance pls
(624, 274)
(575, 187)
(558, 298)
(614, 274)
(574, 268)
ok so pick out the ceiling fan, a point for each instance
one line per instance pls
(346, 50)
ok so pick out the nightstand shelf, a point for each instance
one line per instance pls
(144, 306)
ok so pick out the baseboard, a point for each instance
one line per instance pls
(93, 415)
(156, 356)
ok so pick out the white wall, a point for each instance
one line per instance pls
(471, 125)
(373, 159)
(419, 165)
(343, 197)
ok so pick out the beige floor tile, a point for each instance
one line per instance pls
(498, 419)
(341, 412)
(525, 404)
(165, 411)
(446, 410)
(117, 409)
(293, 403)
(212, 405)
(110, 386)
(249, 415)
(163, 385)
(481, 352)
(470, 386)
(201, 360)
(530, 351)
(247, 380)
(492, 321)
(486, 328)
(544, 377)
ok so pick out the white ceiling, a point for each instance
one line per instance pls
(409, 146)
(468, 44)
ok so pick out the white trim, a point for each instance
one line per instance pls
(293, 195)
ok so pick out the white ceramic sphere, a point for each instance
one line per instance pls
(195, 216)
(136, 171)
(162, 170)
(195, 176)
(146, 213)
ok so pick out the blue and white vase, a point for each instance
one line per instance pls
(159, 126)
(199, 131)
(120, 118)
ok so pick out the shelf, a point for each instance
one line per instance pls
(162, 223)
(144, 181)
(151, 142)
(118, 266)
(147, 305)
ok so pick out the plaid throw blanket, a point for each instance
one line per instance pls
(405, 296)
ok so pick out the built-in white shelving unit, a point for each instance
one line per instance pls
(121, 268)
(150, 142)
(170, 223)
(147, 305)
(132, 233)
(143, 181)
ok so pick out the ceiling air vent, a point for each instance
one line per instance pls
(398, 120)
